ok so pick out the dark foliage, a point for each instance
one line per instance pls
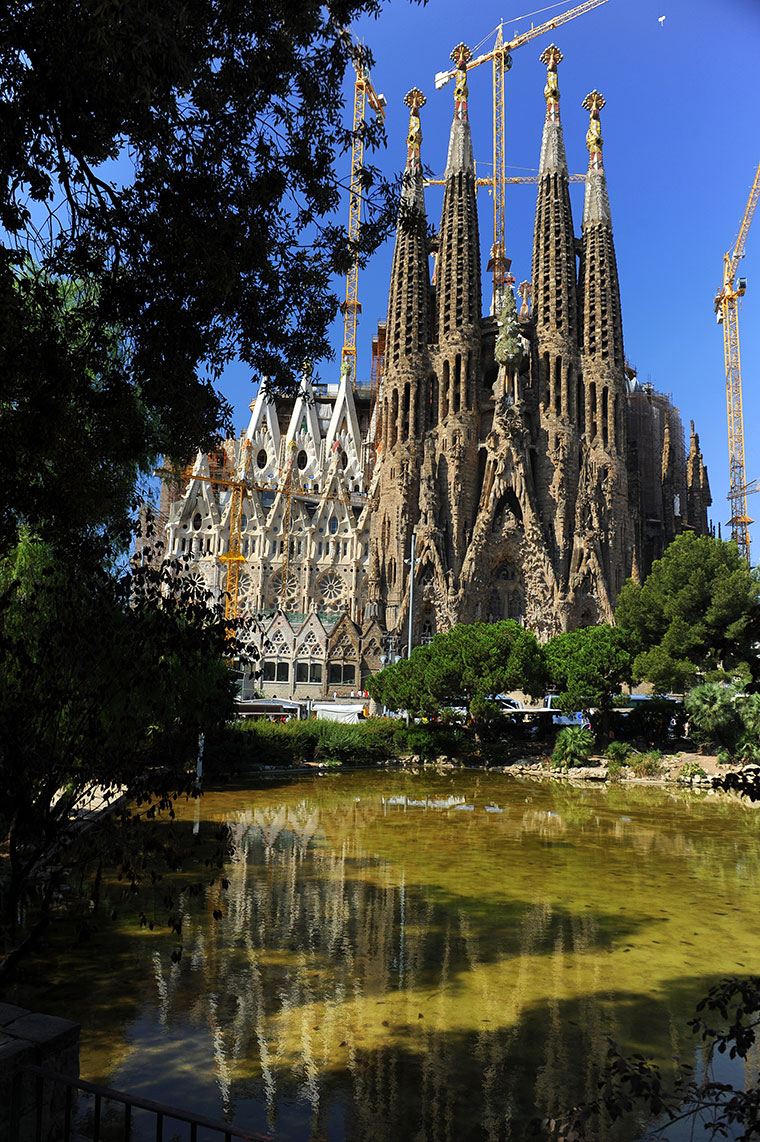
(107, 681)
(727, 1021)
(178, 162)
(698, 613)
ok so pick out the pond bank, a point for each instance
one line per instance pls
(716, 778)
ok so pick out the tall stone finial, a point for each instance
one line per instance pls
(461, 56)
(552, 56)
(508, 349)
(594, 102)
(414, 99)
(524, 291)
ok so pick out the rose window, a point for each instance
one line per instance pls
(197, 583)
(331, 591)
(275, 589)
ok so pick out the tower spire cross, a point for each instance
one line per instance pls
(594, 102)
(552, 57)
(414, 100)
(461, 55)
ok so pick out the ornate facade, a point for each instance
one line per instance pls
(533, 471)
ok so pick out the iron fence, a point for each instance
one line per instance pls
(199, 1128)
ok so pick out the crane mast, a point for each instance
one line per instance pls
(364, 92)
(726, 306)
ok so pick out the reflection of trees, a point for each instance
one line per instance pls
(349, 973)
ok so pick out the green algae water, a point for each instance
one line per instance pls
(428, 957)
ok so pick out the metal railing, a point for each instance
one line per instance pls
(92, 1132)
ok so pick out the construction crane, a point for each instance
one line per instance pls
(232, 557)
(502, 61)
(364, 93)
(727, 310)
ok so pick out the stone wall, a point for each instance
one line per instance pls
(45, 1041)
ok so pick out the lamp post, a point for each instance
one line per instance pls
(412, 561)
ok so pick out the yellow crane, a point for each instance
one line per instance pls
(727, 310)
(364, 93)
(502, 61)
(233, 558)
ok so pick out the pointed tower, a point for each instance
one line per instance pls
(405, 393)
(555, 312)
(457, 331)
(602, 330)
(603, 390)
(697, 487)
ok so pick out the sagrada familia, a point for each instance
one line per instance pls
(511, 463)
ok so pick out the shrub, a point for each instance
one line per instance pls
(618, 752)
(430, 740)
(572, 747)
(614, 769)
(646, 764)
(691, 769)
(284, 744)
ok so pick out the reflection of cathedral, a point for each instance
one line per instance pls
(533, 470)
(408, 959)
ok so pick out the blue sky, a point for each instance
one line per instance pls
(681, 148)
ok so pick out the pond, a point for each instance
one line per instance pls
(429, 956)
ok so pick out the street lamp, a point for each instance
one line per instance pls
(411, 563)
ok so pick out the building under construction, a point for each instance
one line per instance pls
(513, 455)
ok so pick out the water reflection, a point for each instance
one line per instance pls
(438, 958)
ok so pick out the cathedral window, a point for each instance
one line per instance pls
(331, 590)
(197, 521)
(302, 459)
(341, 674)
(558, 385)
(581, 404)
(344, 460)
(332, 527)
(308, 672)
(261, 458)
(275, 671)
(605, 415)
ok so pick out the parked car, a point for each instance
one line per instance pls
(577, 718)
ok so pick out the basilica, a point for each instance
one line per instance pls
(499, 465)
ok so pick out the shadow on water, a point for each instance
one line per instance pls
(422, 958)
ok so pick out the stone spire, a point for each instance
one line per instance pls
(601, 389)
(602, 337)
(457, 328)
(555, 314)
(405, 393)
(697, 487)
(458, 265)
(408, 327)
(554, 298)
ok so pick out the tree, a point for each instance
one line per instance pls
(469, 665)
(588, 667)
(178, 162)
(107, 682)
(727, 1022)
(697, 613)
(725, 716)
